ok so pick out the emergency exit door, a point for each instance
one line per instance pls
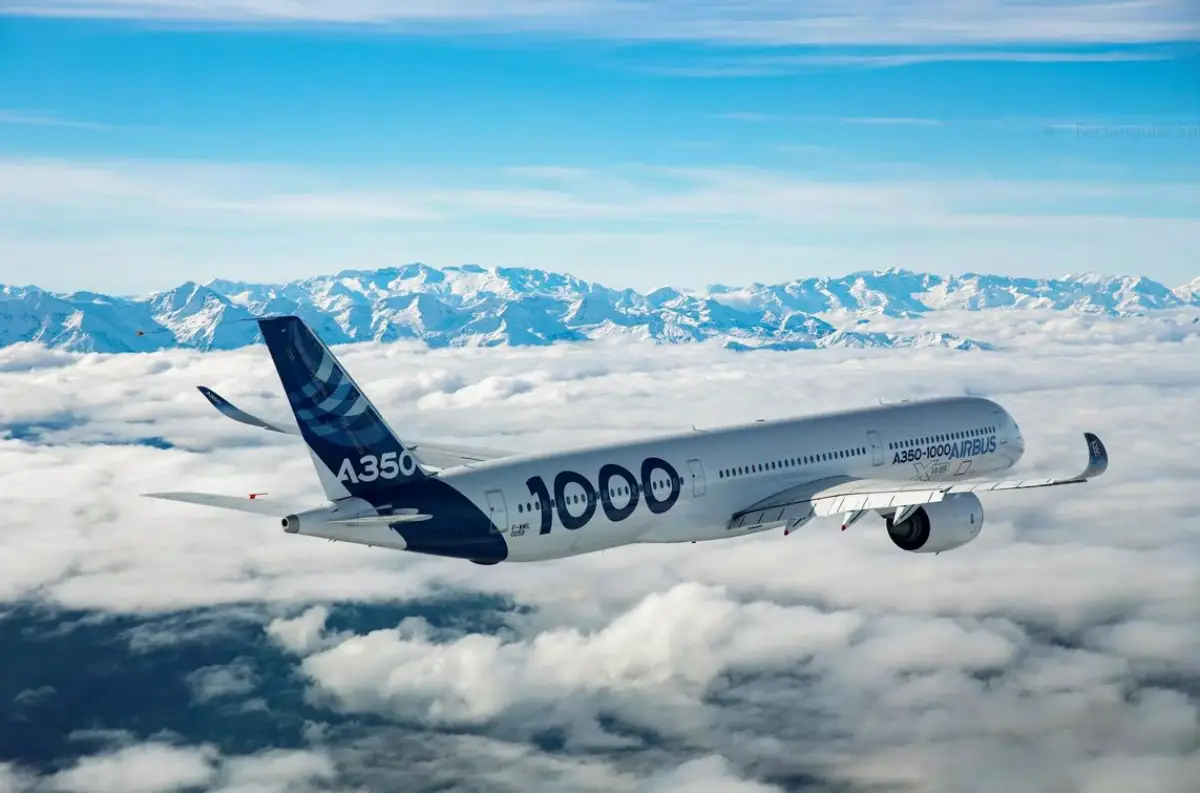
(697, 469)
(876, 447)
(497, 510)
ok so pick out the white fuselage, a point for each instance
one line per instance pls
(725, 470)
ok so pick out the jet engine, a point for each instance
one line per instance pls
(939, 526)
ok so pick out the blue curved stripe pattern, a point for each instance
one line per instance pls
(343, 428)
(335, 417)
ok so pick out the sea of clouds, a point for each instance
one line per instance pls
(150, 646)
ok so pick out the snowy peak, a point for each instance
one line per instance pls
(472, 305)
(1189, 292)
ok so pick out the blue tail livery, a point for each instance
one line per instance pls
(355, 451)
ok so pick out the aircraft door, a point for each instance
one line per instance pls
(698, 484)
(497, 510)
(876, 447)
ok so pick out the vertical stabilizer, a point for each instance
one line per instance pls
(353, 448)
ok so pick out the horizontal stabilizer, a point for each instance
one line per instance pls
(256, 506)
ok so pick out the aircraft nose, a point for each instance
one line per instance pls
(1015, 441)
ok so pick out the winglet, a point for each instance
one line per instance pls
(1097, 457)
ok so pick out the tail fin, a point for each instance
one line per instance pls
(354, 450)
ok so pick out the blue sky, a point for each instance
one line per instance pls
(145, 142)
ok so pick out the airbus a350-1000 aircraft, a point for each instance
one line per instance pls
(917, 464)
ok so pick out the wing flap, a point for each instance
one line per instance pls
(842, 495)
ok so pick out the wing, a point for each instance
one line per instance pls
(438, 455)
(257, 506)
(846, 496)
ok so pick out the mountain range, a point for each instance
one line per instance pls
(469, 305)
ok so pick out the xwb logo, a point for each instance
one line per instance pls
(388, 465)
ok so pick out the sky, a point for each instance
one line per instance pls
(1059, 652)
(148, 142)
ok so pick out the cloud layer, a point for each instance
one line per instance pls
(740, 22)
(286, 222)
(1057, 653)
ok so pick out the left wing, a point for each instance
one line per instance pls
(257, 506)
(440, 455)
(846, 496)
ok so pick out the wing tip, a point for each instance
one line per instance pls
(1097, 456)
(218, 401)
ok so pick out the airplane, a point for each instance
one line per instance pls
(919, 464)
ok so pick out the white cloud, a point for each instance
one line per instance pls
(707, 775)
(740, 22)
(277, 771)
(157, 767)
(1056, 653)
(14, 780)
(674, 642)
(681, 224)
(212, 682)
(141, 768)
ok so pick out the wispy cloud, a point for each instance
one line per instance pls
(746, 116)
(231, 193)
(60, 216)
(892, 60)
(803, 148)
(727, 64)
(900, 121)
(744, 21)
(8, 116)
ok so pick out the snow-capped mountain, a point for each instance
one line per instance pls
(473, 306)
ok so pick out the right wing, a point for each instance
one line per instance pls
(846, 496)
(439, 455)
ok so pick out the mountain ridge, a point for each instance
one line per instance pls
(470, 305)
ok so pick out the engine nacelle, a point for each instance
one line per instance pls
(940, 526)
